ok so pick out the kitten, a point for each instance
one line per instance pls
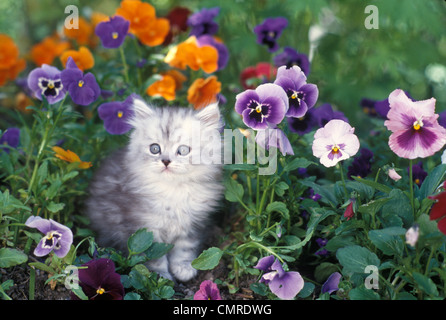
(159, 182)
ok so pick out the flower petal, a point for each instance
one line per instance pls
(287, 286)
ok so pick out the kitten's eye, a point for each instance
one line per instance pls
(183, 150)
(155, 148)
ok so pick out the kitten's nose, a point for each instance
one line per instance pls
(166, 162)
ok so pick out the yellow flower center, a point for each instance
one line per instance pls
(417, 125)
(50, 86)
(417, 181)
(294, 95)
(120, 114)
(80, 83)
(259, 108)
(335, 149)
(115, 35)
(100, 291)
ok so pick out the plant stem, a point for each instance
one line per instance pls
(32, 282)
(411, 188)
(343, 180)
(124, 63)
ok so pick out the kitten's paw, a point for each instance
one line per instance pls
(183, 271)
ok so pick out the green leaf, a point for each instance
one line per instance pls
(157, 250)
(432, 181)
(234, 190)
(307, 290)
(297, 163)
(140, 241)
(426, 284)
(399, 204)
(326, 192)
(43, 267)
(132, 296)
(362, 293)
(208, 259)
(259, 288)
(356, 259)
(55, 207)
(280, 188)
(388, 240)
(11, 257)
(373, 184)
(280, 207)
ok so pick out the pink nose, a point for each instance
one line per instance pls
(166, 162)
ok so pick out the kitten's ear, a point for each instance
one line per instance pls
(141, 109)
(210, 115)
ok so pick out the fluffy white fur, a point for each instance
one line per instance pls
(134, 188)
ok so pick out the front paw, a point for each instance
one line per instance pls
(183, 271)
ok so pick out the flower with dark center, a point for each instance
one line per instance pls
(269, 31)
(302, 95)
(263, 107)
(203, 22)
(290, 57)
(46, 81)
(116, 114)
(10, 138)
(361, 166)
(112, 32)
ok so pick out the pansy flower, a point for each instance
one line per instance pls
(11, 138)
(393, 174)
(203, 22)
(83, 89)
(412, 235)
(285, 285)
(82, 33)
(46, 81)
(164, 87)
(263, 107)
(275, 138)
(415, 129)
(223, 53)
(334, 142)
(418, 173)
(83, 58)
(304, 124)
(10, 63)
(116, 114)
(58, 238)
(203, 92)
(349, 210)
(438, 210)
(269, 31)
(290, 57)
(100, 281)
(48, 49)
(113, 32)
(361, 166)
(302, 95)
(177, 17)
(325, 113)
(332, 283)
(71, 157)
(208, 291)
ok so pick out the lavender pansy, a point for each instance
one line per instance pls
(83, 89)
(263, 107)
(275, 138)
(112, 32)
(269, 31)
(285, 285)
(58, 238)
(11, 138)
(301, 95)
(332, 283)
(290, 57)
(203, 22)
(46, 81)
(116, 115)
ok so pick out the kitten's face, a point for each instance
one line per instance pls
(174, 142)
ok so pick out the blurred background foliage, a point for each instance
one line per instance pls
(351, 62)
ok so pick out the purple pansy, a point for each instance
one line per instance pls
(285, 285)
(58, 238)
(113, 32)
(323, 252)
(302, 95)
(223, 53)
(325, 113)
(263, 107)
(361, 166)
(116, 115)
(11, 138)
(46, 81)
(418, 173)
(290, 57)
(269, 31)
(208, 291)
(83, 89)
(203, 22)
(304, 124)
(100, 281)
(275, 138)
(332, 283)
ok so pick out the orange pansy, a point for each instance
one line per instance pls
(82, 34)
(165, 87)
(177, 76)
(98, 17)
(48, 49)
(10, 63)
(203, 92)
(82, 57)
(155, 33)
(70, 157)
(140, 14)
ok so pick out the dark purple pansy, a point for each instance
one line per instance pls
(285, 285)
(58, 238)
(116, 115)
(322, 251)
(302, 95)
(368, 106)
(46, 81)
(418, 173)
(362, 165)
(223, 52)
(290, 57)
(208, 291)
(83, 89)
(332, 283)
(324, 113)
(269, 31)
(99, 281)
(275, 138)
(113, 32)
(10, 138)
(304, 124)
(203, 22)
(263, 107)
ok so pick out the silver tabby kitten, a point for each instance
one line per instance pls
(163, 181)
